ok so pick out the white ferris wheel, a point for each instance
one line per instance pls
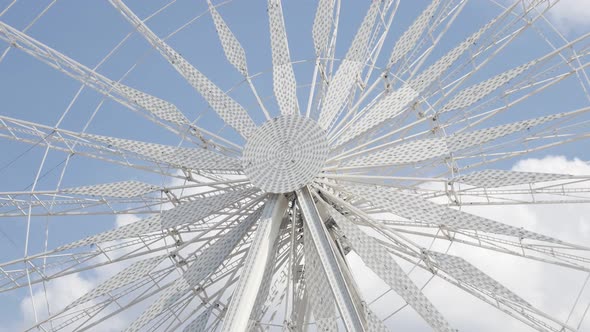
(341, 200)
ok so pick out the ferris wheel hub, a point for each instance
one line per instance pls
(285, 153)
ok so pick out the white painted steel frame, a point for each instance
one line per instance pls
(54, 138)
(259, 256)
(351, 314)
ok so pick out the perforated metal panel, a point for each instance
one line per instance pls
(201, 207)
(231, 46)
(134, 272)
(144, 226)
(410, 37)
(320, 298)
(205, 263)
(123, 189)
(417, 209)
(349, 70)
(160, 108)
(190, 158)
(473, 94)
(322, 25)
(434, 72)
(479, 137)
(379, 261)
(228, 109)
(389, 106)
(121, 93)
(395, 102)
(200, 323)
(429, 148)
(167, 298)
(468, 274)
(284, 84)
(492, 178)
(188, 212)
(209, 259)
(374, 324)
(285, 154)
(403, 154)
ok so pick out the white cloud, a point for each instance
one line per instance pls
(552, 289)
(125, 219)
(553, 164)
(571, 14)
(60, 293)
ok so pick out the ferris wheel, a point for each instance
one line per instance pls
(340, 200)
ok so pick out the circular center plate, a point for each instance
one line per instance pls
(285, 154)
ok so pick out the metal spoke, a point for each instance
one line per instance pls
(421, 150)
(319, 295)
(419, 210)
(397, 101)
(350, 69)
(234, 52)
(136, 100)
(228, 109)
(284, 84)
(378, 260)
(204, 264)
(115, 150)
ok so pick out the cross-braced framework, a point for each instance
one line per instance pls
(260, 223)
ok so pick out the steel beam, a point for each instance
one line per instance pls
(259, 256)
(351, 314)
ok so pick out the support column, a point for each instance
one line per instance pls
(259, 256)
(351, 314)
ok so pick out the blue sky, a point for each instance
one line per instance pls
(87, 30)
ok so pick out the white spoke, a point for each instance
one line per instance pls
(378, 260)
(350, 69)
(128, 275)
(191, 158)
(319, 296)
(419, 210)
(132, 98)
(410, 37)
(115, 150)
(199, 323)
(228, 109)
(284, 84)
(499, 178)
(322, 24)
(470, 275)
(124, 189)
(420, 150)
(186, 213)
(397, 101)
(234, 52)
(205, 263)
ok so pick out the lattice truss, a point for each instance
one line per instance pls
(261, 223)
